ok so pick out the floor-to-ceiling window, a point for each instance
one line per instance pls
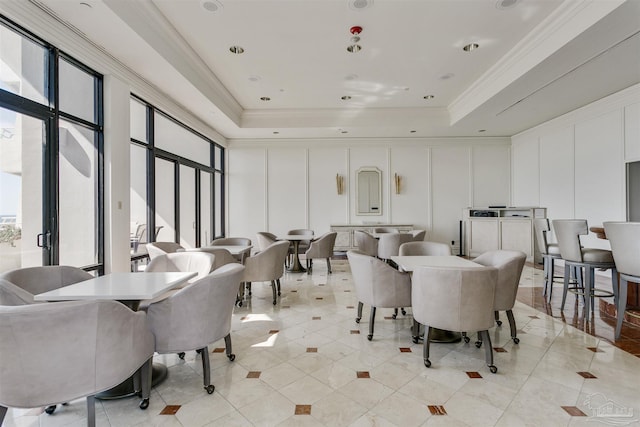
(177, 180)
(50, 155)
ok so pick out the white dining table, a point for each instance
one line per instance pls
(128, 288)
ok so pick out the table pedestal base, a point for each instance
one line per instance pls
(126, 389)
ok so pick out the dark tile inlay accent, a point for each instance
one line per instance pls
(303, 410)
(388, 318)
(587, 375)
(574, 411)
(170, 410)
(244, 318)
(299, 280)
(218, 350)
(253, 374)
(347, 290)
(319, 298)
(285, 306)
(534, 317)
(351, 306)
(294, 290)
(363, 374)
(499, 350)
(316, 318)
(474, 375)
(405, 350)
(273, 331)
(437, 410)
(320, 284)
(595, 349)
(312, 349)
(354, 332)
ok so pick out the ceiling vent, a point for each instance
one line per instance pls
(506, 4)
(212, 6)
(360, 4)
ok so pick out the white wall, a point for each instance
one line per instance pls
(279, 185)
(574, 165)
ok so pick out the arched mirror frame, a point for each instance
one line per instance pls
(369, 191)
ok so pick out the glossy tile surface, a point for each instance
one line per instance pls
(305, 362)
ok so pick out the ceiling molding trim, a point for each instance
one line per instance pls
(152, 26)
(568, 21)
(369, 142)
(44, 23)
(289, 118)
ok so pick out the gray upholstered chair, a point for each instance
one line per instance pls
(265, 239)
(381, 230)
(197, 316)
(550, 252)
(192, 261)
(24, 283)
(222, 256)
(59, 352)
(509, 265)
(378, 285)
(322, 247)
(267, 265)
(625, 246)
(418, 235)
(366, 243)
(389, 244)
(568, 232)
(454, 299)
(424, 248)
(155, 249)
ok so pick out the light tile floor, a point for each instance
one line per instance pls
(305, 362)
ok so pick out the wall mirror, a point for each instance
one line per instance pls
(369, 191)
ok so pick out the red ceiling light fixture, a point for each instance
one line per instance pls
(355, 47)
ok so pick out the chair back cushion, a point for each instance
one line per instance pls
(509, 265)
(418, 235)
(36, 280)
(541, 228)
(268, 264)
(191, 261)
(231, 241)
(366, 242)
(389, 244)
(424, 248)
(198, 314)
(58, 352)
(455, 299)
(624, 238)
(377, 283)
(155, 249)
(568, 233)
(265, 239)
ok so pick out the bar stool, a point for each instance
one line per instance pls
(549, 251)
(568, 233)
(625, 246)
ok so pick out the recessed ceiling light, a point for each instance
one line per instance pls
(254, 78)
(265, 98)
(482, 130)
(429, 97)
(360, 4)
(275, 132)
(505, 4)
(211, 5)
(82, 3)
(447, 76)
(351, 77)
(345, 98)
(412, 131)
(236, 49)
(470, 47)
(344, 131)
(354, 48)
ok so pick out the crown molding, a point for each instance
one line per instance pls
(569, 20)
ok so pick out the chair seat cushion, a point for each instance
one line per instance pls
(597, 255)
(553, 249)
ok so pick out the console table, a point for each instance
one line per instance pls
(345, 240)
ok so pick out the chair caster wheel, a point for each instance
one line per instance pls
(49, 409)
(144, 404)
(210, 388)
(181, 355)
(232, 357)
(427, 363)
(279, 293)
(478, 344)
(499, 322)
(393, 316)
(65, 404)
(403, 311)
(274, 303)
(357, 320)
(493, 369)
(369, 337)
(466, 339)
(415, 340)
(516, 340)
(239, 303)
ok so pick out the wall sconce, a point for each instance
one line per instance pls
(339, 183)
(398, 181)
